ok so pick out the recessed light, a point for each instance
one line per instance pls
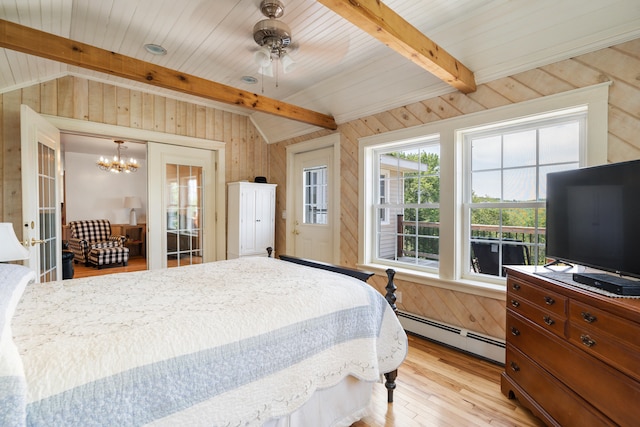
(249, 80)
(155, 49)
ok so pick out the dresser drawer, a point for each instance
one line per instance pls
(593, 319)
(545, 319)
(606, 348)
(616, 395)
(546, 299)
(560, 403)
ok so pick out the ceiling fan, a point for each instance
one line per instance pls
(274, 39)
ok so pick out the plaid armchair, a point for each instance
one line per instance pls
(88, 234)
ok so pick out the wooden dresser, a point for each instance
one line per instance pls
(573, 356)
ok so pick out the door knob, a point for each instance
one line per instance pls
(296, 232)
(35, 242)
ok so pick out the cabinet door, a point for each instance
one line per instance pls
(264, 218)
(247, 220)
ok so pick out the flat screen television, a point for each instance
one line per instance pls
(593, 217)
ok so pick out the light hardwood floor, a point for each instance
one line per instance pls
(436, 385)
(439, 386)
(134, 264)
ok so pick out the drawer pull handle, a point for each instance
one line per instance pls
(515, 303)
(515, 367)
(588, 317)
(516, 287)
(548, 320)
(514, 331)
(586, 340)
(549, 300)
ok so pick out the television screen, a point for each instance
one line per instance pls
(593, 217)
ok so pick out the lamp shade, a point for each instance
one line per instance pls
(132, 202)
(288, 64)
(266, 71)
(262, 57)
(11, 249)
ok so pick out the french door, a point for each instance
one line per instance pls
(181, 217)
(41, 194)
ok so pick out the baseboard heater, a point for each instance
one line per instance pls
(479, 345)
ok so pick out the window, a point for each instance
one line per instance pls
(435, 196)
(315, 195)
(506, 187)
(384, 184)
(408, 213)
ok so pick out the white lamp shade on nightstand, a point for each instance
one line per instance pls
(11, 249)
(132, 203)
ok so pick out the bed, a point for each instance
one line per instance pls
(246, 342)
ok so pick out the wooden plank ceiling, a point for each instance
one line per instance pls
(371, 16)
(343, 72)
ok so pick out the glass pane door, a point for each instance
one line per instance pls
(184, 210)
(47, 212)
(41, 194)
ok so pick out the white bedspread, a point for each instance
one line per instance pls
(230, 343)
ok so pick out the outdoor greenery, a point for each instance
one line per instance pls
(421, 225)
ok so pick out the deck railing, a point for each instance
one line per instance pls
(525, 236)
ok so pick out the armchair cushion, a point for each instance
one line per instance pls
(90, 234)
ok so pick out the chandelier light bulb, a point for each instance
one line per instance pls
(118, 164)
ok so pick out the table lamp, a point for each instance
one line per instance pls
(11, 249)
(132, 203)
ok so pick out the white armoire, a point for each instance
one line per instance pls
(251, 210)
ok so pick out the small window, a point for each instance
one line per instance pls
(315, 195)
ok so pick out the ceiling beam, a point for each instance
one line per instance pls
(373, 17)
(34, 42)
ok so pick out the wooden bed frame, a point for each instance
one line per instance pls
(390, 296)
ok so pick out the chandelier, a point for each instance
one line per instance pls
(118, 165)
(274, 37)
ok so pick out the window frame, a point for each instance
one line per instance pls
(383, 198)
(535, 122)
(430, 141)
(450, 132)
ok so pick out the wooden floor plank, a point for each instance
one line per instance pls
(440, 386)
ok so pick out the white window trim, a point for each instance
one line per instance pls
(450, 132)
(385, 174)
(574, 113)
(413, 144)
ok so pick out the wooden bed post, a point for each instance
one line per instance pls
(390, 296)
(391, 288)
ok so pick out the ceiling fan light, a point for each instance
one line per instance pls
(288, 64)
(266, 71)
(262, 57)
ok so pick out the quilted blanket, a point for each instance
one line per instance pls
(228, 343)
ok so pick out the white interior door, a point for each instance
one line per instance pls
(313, 207)
(181, 222)
(41, 194)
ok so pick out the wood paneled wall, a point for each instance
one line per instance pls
(247, 154)
(619, 64)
